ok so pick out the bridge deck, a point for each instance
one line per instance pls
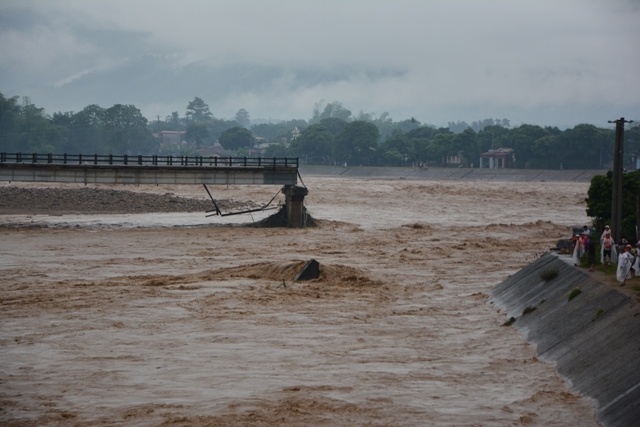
(147, 169)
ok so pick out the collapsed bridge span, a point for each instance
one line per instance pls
(159, 170)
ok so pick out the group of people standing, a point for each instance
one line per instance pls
(624, 254)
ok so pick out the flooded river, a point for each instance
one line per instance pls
(178, 319)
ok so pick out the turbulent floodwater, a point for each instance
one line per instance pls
(129, 320)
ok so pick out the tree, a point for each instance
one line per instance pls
(315, 144)
(10, 123)
(334, 109)
(276, 150)
(87, 131)
(198, 111)
(580, 147)
(459, 126)
(236, 138)
(467, 144)
(242, 117)
(422, 132)
(599, 201)
(126, 130)
(522, 140)
(397, 146)
(197, 132)
(218, 126)
(275, 131)
(393, 158)
(357, 143)
(440, 146)
(173, 122)
(333, 124)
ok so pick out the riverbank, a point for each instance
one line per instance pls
(455, 174)
(588, 329)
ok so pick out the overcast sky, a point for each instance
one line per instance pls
(532, 61)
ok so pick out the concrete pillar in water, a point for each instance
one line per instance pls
(294, 196)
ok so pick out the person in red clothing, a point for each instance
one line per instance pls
(608, 252)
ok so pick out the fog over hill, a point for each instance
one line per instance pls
(540, 62)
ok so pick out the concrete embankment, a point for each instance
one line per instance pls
(594, 338)
(459, 174)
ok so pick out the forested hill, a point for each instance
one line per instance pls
(333, 135)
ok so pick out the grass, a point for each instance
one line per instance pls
(528, 310)
(549, 274)
(574, 293)
(607, 269)
(510, 321)
(598, 314)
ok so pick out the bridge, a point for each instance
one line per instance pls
(159, 170)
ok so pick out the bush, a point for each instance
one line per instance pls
(549, 274)
(574, 293)
(510, 321)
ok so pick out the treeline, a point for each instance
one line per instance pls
(333, 135)
(599, 203)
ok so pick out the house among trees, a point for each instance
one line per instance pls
(215, 150)
(170, 139)
(460, 160)
(295, 133)
(500, 158)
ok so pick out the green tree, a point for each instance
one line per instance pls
(466, 143)
(397, 146)
(315, 144)
(357, 143)
(599, 201)
(10, 124)
(236, 138)
(421, 149)
(242, 117)
(173, 122)
(275, 131)
(521, 140)
(422, 132)
(393, 157)
(39, 133)
(196, 133)
(198, 111)
(127, 131)
(332, 110)
(218, 126)
(440, 147)
(276, 150)
(87, 132)
(581, 147)
(333, 124)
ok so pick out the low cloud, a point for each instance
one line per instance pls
(548, 62)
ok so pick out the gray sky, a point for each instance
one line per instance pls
(531, 61)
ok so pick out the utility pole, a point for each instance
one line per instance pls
(616, 193)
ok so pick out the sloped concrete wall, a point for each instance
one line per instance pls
(599, 354)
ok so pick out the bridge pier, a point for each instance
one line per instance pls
(294, 197)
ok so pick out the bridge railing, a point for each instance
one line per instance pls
(154, 160)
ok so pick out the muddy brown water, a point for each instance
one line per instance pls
(128, 320)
